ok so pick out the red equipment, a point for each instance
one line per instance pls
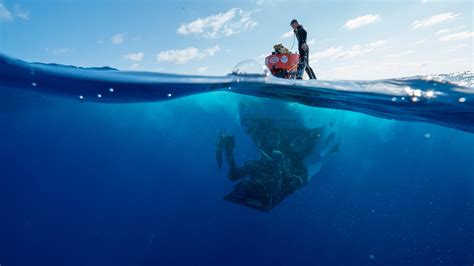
(283, 65)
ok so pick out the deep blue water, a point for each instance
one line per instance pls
(86, 183)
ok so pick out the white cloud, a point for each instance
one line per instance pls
(135, 66)
(460, 36)
(213, 50)
(434, 20)
(226, 24)
(342, 53)
(332, 52)
(401, 54)
(22, 13)
(5, 14)
(202, 69)
(262, 2)
(287, 35)
(460, 46)
(420, 41)
(185, 55)
(118, 38)
(137, 57)
(59, 51)
(362, 21)
(377, 44)
(444, 31)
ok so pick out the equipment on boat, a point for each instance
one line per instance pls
(282, 63)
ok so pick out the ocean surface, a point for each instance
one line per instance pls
(104, 167)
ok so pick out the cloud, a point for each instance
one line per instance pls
(444, 31)
(135, 66)
(137, 57)
(342, 53)
(460, 46)
(22, 13)
(202, 69)
(185, 55)
(5, 14)
(118, 38)
(420, 41)
(362, 21)
(460, 36)
(401, 54)
(213, 50)
(8, 16)
(225, 24)
(262, 2)
(287, 35)
(434, 20)
(59, 51)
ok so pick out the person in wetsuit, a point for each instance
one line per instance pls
(303, 50)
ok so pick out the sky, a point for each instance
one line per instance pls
(347, 39)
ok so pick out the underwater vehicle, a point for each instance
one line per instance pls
(291, 152)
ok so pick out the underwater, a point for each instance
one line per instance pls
(177, 133)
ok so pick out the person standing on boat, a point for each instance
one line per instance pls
(303, 50)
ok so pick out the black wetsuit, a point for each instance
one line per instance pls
(303, 64)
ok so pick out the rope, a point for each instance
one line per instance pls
(294, 38)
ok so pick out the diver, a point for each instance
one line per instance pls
(303, 50)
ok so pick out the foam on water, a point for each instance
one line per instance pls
(421, 99)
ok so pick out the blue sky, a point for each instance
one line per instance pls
(348, 39)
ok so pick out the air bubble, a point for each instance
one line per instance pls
(394, 99)
(81, 97)
(33, 84)
(169, 95)
(111, 89)
(462, 99)
(99, 95)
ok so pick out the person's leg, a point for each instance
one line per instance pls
(310, 72)
(303, 62)
(300, 70)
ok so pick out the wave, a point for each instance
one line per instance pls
(420, 99)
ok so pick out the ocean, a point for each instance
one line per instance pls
(131, 180)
